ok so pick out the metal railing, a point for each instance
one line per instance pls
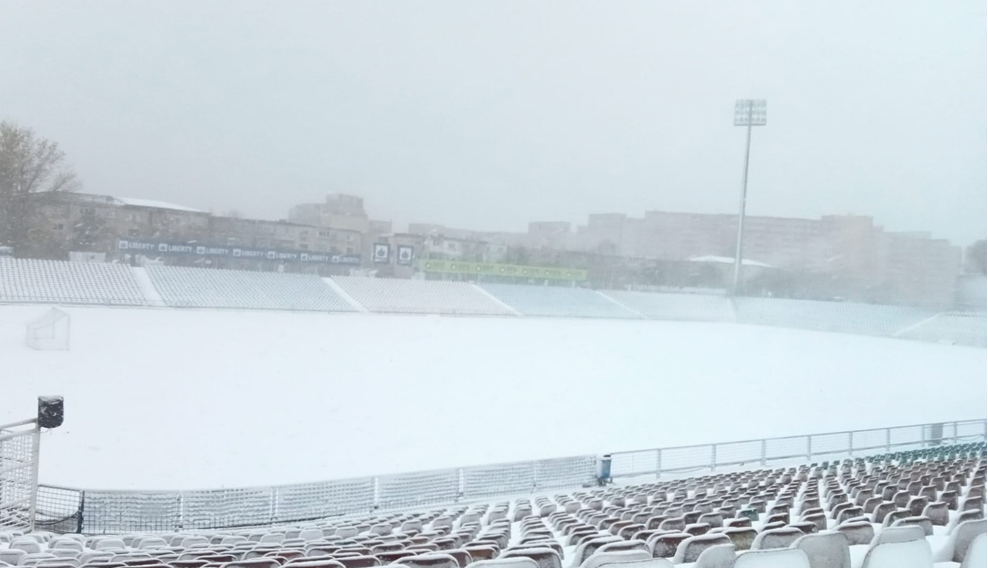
(64, 509)
(806, 448)
(19, 445)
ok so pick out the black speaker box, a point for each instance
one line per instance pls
(50, 411)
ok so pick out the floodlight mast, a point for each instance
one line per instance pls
(748, 113)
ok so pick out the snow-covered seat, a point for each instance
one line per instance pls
(544, 557)
(28, 545)
(901, 554)
(907, 533)
(605, 558)
(921, 522)
(66, 544)
(741, 537)
(11, 556)
(433, 560)
(776, 538)
(33, 558)
(690, 549)
(590, 546)
(776, 558)
(505, 563)
(717, 556)
(665, 545)
(857, 533)
(960, 539)
(825, 550)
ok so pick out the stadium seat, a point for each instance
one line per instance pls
(777, 558)
(825, 550)
(899, 554)
(960, 539)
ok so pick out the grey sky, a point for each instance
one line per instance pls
(487, 115)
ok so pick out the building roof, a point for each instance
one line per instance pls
(729, 260)
(155, 204)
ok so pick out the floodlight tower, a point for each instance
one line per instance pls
(747, 112)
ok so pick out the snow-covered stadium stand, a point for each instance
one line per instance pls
(420, 297)
(963, 328)
(212, 288)
(676, 306)
(62, 282)
(844, 317)
(558, 301)
(912, 509)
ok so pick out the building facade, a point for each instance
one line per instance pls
(81, 222)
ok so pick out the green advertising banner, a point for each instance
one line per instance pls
(510, 270)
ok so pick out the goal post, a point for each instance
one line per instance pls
(49, 332)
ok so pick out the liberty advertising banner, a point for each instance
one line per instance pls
(154, 248)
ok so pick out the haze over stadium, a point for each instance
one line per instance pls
(493, 285)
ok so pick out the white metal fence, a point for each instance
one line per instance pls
(93, 512)
(110, 511)
(807, 448)
(18, 474)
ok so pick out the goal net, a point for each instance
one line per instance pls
(49, 332)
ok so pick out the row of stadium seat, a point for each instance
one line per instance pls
(906, 510)
(420, 297)
(39, 281)
(57, 282)
(197, 287)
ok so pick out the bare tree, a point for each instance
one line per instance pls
(32, 170)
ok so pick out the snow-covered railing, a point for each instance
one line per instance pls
(62, 509)
(791, 449)
(90, 511)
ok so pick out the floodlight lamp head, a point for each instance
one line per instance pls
(750, 112)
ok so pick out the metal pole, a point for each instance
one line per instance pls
(35, 460)
(744, 200)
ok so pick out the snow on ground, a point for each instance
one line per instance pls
(181, 399)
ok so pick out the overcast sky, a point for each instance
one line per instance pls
(487, 115)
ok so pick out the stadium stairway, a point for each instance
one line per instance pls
(918, 509)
